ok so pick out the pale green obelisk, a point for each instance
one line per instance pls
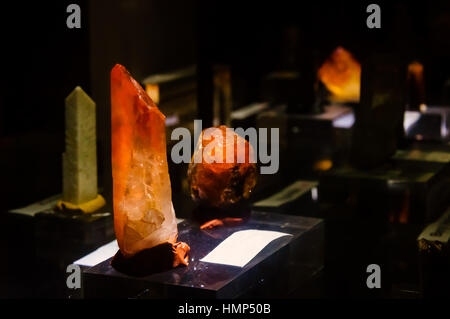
(80, 156)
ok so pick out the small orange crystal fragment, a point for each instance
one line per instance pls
(222, 183)
(227, 221)
(143, 212)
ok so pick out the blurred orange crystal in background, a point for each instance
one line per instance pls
(143, 212)
(341, 74)
(416, 84)
(222, 184)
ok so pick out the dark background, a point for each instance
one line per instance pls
(43, 61)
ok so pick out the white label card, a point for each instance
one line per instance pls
(288, 194)
(38, 207)
(241, 247)
(98, 255)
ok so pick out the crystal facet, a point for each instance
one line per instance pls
(143, 212)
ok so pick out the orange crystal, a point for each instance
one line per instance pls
(143, 212)
(341, 74)
(222, 184)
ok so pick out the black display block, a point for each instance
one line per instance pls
(50, 241)
(434, 257)
(288, 266)
(415, 179)
(375, 215)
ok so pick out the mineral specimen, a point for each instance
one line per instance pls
(143, 212)
(416, 87)
(216, 181)
(341, 73)
(80, 157)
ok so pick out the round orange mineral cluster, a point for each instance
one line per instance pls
(222, 171)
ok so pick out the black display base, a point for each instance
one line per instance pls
(62, 238)
(431, 126)
(305, 139)
(413, 187)
(46, 241)
(376, 215)
(285, 267)
(434, 258)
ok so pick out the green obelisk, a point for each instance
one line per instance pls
(80, 156)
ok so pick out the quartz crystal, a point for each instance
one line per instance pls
(224, 183)
(341, 74)
(143, 212)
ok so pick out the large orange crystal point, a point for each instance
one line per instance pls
(143, 213)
